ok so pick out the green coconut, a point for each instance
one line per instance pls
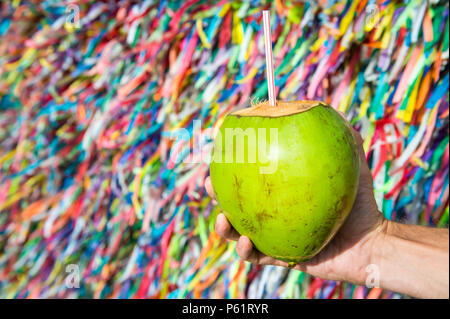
(286, 176)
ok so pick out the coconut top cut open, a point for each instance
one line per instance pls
(264, 109)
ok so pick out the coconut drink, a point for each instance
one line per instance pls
(285, 173)
(286, 176)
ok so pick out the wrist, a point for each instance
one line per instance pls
(381, 236)
(371, 253)
(411, 259)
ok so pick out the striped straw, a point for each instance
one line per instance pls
(269, 58)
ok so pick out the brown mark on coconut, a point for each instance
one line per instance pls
(265, 185)
(237, 187)
(262, 217)
(268, 185)
(340, 204)
(325, 230)
(237, 183)
(248, 225)
(322, 118)
(309, 197)
(331, 221)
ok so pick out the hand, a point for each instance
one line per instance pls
(350, 251)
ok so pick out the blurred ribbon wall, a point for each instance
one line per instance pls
(95, 191)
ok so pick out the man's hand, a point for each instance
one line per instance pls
(347, 255)
(410, 259)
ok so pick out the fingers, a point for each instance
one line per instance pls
(224, 229)
(244, 247)
(248, 252)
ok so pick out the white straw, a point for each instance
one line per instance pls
(269, 58)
